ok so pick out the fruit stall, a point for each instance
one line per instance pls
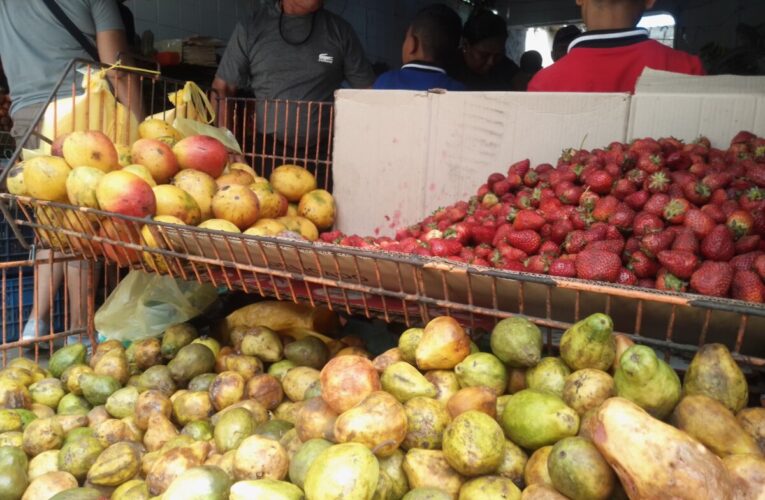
(507, 321)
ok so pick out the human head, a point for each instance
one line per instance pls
(613, 14)
(563, 38)
(531, 62)
(301, 7)
(433, 36)
(484, 37)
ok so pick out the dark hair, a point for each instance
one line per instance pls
(438, 28)
(566, 35)
(531, 61)
(484, 24)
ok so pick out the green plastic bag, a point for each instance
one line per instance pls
(191, 127)
(145, 305)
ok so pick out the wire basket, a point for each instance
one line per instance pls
(393, 287)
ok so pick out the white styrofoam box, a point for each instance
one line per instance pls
(399, 155)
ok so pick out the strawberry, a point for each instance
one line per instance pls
(646, 283)
(626, 277)
(679, 160)
(646, 223)
(748, 243)
(622, 218)
(331, 237)
(656, 204)
(501, 188)
(598, 265)
(596, 232)
(637, 200)
(494, 178)
(575, 242)
(645, 146)
(538, 264)
(675, 211)
(605, 208)
(560, 229)
(525, 199)
(713, 279)
(699, 222)
(528, 219)
(565, 268)
(611, 245)
(699, 169)
(667, 282)
(657, 182)
(697, 193)
(670, 144)
(686, 241)
(715, 213)
(718, 244)
(531, 178)
(642, 265)
(631, 246)
(571, 195)
(637, 176)
(549, 248)
(480, 262)
(526, 240)
(745, 261)
(511, 253)
(755, 172)
(520, 168)
(459, 231)
(748, 286)
(588, 200)
(653, 243)
(581, 219)
(651, 163)
(752, 199)
(623, 188)
(599, 181)
(456, 214)
(500, 236)
(717, 180)
(489, 200)
(483, 234)
(422, 252)
(740, 222)
(681, 264)
(743, 137)
(759, 265)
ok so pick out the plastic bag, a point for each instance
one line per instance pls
(145, 305)
(224, 135)
(95, 109)
(190, 103)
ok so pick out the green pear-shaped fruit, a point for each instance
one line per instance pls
(473, 444)
(589, 343)
(714, 373)
(482, 369)
(647, 381)
(517, 342)
(549, 375)
(533, 419)
(405, 382)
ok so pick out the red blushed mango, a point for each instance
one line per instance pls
(201, 152)
(157, 157)
(127, 194)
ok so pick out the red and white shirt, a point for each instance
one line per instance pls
(611, 61)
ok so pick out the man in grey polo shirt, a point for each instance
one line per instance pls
(292, 50)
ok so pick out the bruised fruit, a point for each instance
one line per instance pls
(347, 380)
(517, 342)
(648, 381)
(347, 470)
(579, 471)
(587, 389)
(589, 343)
(426, 421)
(548, 375)
(378, 422)
(236, 204)
(713, 372)
(405, 382)
(472, 444)
(90, 149)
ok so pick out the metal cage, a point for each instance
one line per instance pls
(393, 287)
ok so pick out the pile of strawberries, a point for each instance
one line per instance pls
(654, 213)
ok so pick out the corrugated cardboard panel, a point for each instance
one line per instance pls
(663, 82)
(400, 155)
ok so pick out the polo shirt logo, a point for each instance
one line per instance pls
(326, 59)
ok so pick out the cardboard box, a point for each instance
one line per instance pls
(400, 155)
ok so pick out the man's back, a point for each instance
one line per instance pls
(35, 47)
(593, 66)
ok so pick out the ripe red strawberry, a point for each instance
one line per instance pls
(642, 265)
(531, 179)
(571, 194)
(719, 196)
(528, 219)
(549, 248)
(657, 182)
(713, 279)
(670, 144)
(745, 261)
(560, 229)
(646, 283)
(422, 252)
(565, 268)
(743, 137)
(748, 243)
(637, 200)
(623, 188)
(759, 266)
(699, 169)
(631, 246)
(740, 222)
(539, 264)
(667, 282)
(697, 193)
(679, 160)
(459, 231)
(331, 237)
(645, 146)
(599, 181)
(681, 264)
(636, 176)
(494, 178)
(443, 248)
(521, 168)
(526, 199)
(500, 236)
(575, 242)
(511, 253)
(622, 218)
(717, 180)
(755, 172)
(605, 208)
(646, 223)
(748, 286)
(526, 240)
(482, 234)
(653, 243)
(626, 277)
(686, 241)
(651, 163)
(598, 265)
(598, 231)
(656, 204)
(588, 200)
(611, 245)
(613, 233)
(675, 211)
(699, 222)
(718, 244)
(715, 213)
(752, 199)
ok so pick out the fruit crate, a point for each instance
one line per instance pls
(393, 287)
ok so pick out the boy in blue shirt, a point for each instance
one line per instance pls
(431, 42)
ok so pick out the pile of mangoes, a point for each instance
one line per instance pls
(277, 405)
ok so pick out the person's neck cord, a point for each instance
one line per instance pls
(281, 27)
